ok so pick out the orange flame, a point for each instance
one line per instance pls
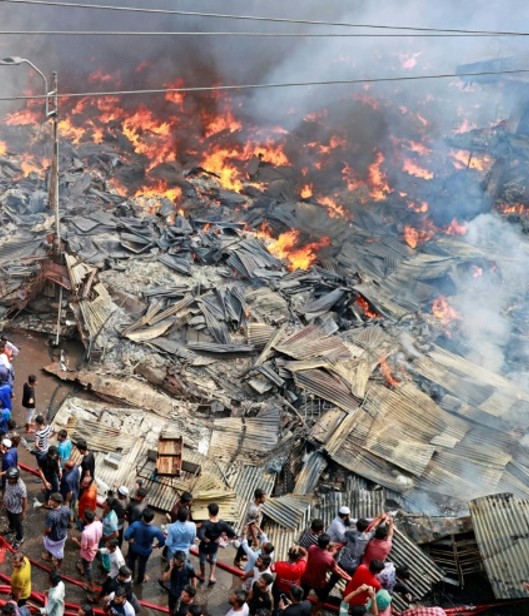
(221, 122)
(464, 160)
(411, 167)
(391, 380)
(379, 187)
(333, 209)
(306, 191)
(442, 310)
(455, 228)
(160, 189)
(3, 148)
(413, 237)
(420, 208)
(218, 161)
(366, 308)
(23, 117)
(298, 258)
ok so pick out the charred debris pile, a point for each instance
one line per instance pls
(255, 339)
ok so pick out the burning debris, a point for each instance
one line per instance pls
(290, 307)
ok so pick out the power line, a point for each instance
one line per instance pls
(262, 86)
(255, 34)
(256, 18)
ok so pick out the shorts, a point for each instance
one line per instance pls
(204, 557)
(29, 415)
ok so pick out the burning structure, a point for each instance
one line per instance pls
(322, 295)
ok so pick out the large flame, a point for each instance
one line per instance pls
(442, 310)
(379, 188)
(285, 247)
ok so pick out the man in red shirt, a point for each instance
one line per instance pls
(289, 572)
(379, 547)
(364, 575)
(320, 561)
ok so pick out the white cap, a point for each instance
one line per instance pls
(123, 490)
(6, 442)
(344, 510)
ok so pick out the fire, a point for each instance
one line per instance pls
(351, 178)
(334, 210)
(390, 380)
(23, 117)
(69, 131)
(306, 191)
(29, 165)
(298, 258)
(413, 237)
(455, 228)
(416, 170)
(160, 189)
(3, 148)
(418, 148)
(100, 77)
(420, 208)
(512, 208)
(149, 136)
(465, 160)
(379, 187)
(217, 161)
(465, 126)
(225, 121)
(117, 187)
(442, 310)
(366, 308)
(408, 61)
(335, 142)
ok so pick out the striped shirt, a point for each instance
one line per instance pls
(42, 438)
(14, 496)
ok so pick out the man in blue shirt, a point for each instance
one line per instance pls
(69, 487)
(64, 447)
(141, 535)
(180, 534)
(9, 458)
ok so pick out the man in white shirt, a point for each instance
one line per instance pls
(340, 525)
(239, 607)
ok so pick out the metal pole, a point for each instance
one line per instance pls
(54, 179)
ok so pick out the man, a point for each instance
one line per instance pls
(5, 362)
(380, 545)
(9, 458)
(296, 605)
(340, 525)
(141, 535)
(123, 580)
(178, 574)
(56, 530)
(50, 472)
(120, 507)
(88, 463)
(239, 607)
(252, 521)
(28, 401)
(320, 561)
(89, 544)
(360, 609)
(110, 520)
(87, 498)
(262, 565)
(5, 417)
(289, 572)
(259, 596)
(184, 502)
(69, 487)
(55, 603)
(266, 548)
(20, 579)
(117, 604)
(42, 437)
(187, 599)
(209, 534)
(310, 535)
(16, 505)
(137, 505)
(64, 447)
(181, 534)
(355, 545)
(10, 349)
(363, 576)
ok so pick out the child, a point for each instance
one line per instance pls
(28, 402)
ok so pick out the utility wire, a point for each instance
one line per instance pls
(253, 17)
(262, 86)
(252, 34)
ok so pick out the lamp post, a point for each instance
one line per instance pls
(51, 111)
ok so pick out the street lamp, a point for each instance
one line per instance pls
(52, 111)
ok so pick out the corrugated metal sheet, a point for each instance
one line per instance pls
(310, 474)
(328, 387)
(501, 526)
(244, 480)
(290, 510)
(327, 425)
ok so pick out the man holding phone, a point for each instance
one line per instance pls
(296, 606)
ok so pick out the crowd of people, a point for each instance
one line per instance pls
(350, 559)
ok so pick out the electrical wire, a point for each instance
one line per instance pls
(253, 17)
(262, 86)
(251, 34)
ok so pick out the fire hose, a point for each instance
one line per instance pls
(463, 610)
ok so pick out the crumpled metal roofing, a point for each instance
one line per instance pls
(310, 474)
(501, 526)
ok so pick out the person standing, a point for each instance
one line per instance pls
(209, 534)
(141, 535)
(56, 530)
(9, 458)
(252, 521)
(310, 535)
(88, 463)
(16, 505)
(259, 596)
(137, 505)
(42, 437)
(120, 507)
(29, 401)
(20, 579)
(340, 525)
(50, 472)
(187, 600)
(55, 603)
(380, 545)
(69, 487)
(11, 350)
(64, 447)
(181, 534)
(87, 498)
(184, 502)
(179, 574)
(289, 572)
(295, 605)
(110, 521)
(89, 544)
(239, 607)
(118, 605)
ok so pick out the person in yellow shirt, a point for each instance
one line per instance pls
(21, 579)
